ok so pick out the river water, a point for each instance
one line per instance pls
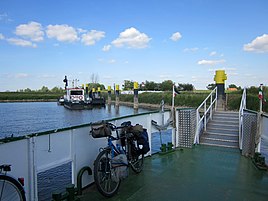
(18, 119)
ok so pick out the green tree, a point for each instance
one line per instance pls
(185, 87)
(166, 85)
(44, 89)
(150, 85)
(57, 90)
(96, 85)
(27, 90)
(128, 85)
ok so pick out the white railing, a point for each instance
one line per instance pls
(241, 112)
(207, 107)
(36, 154)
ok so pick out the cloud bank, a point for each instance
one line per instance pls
(259, 44)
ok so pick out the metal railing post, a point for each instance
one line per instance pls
(211, 107)
(205, 117)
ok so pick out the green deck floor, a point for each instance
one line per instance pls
(203, 173)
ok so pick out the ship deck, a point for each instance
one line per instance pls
(200, 173)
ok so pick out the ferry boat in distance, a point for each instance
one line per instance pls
(78, 98)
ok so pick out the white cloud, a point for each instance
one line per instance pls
(212, 53)
(32, 31)
(4, 17)
(165, 76)
(132, 38)
(210, 62)
(111, 61)
(21, 42)
(233, 73)
(92, 37)
(2, 37)
(47, 76)
(179, 76)
(21, 75)
(259, 44)
(81, 30)
(193, 49)
(106, 48)
(63, 33)
(176, 36)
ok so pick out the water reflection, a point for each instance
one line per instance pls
(27, 118)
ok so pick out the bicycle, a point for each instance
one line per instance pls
(111, 164)
(11, 189)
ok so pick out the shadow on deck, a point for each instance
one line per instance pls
(201, 173)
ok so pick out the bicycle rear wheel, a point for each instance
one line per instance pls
(10, 189)
(136, 159)
(105, 175)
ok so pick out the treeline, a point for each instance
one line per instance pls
(154, 86)
(43, 89)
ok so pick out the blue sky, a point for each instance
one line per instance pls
(184, 41)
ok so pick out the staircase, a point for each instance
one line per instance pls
(222, 130)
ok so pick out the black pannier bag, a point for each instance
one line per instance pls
(143, 140)
(99, 130)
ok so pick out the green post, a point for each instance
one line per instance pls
(56, 196)
(70, 190)
(169, 146)
(163, 148)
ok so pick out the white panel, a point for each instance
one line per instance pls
(16, 154)
(52, 150)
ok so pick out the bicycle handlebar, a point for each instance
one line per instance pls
(5, 167)
(123, 125)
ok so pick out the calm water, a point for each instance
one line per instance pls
(27, 118)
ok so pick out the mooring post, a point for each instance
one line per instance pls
(109, 95)
(99, 92)
(117, 95)
(220, 78)
(87, 92)
(93, 93)
(136, 92)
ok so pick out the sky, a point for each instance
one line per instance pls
(185, 41)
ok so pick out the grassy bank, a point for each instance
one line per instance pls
(185, 99)
(28, 96)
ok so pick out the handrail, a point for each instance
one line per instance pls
(206, 110)
(241, 112)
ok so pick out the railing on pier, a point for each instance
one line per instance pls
(206, 107)
(241, 112)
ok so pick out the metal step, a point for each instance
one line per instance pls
(225, 119)
(223, 125)
(227, 129)
(221, 133)
(226, 114)
(222, 130)
(221, 143)
(220, 136)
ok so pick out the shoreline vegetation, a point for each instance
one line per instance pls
(149, 100)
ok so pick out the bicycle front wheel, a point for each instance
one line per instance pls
(105, 175)
(10, 189)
